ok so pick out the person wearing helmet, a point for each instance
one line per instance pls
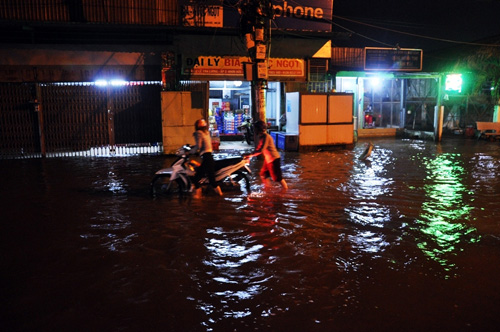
(203, 146)
(272, 159)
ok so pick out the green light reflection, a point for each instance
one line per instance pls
(444, 212)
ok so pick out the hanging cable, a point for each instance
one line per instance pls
(413, 34)
(366, 37)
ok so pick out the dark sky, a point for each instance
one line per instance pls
(457, 20)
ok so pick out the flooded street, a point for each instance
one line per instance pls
(406, 240)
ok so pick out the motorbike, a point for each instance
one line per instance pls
(179, 177)
(246, 129)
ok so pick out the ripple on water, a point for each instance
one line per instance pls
(353, 243)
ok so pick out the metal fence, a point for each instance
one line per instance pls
(79, 119)
(18, 122)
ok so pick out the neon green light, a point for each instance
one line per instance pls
(453, 82)
(441, 221)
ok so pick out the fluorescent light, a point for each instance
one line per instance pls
(101, 83)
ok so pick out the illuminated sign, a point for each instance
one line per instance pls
(233, 66)
(296, 11)
(454, 83)
(393, 59)
(203, 15)
(307, 15)
(286, 67)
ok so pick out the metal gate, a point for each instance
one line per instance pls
(79, 119)
(421, 97)
(462, 111)
(18, 121)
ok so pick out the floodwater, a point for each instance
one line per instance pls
(406, 240)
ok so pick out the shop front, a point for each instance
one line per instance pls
(230, 105)
(227, 96)
(386, 102)
(230, 91)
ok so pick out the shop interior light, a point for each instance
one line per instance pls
(375, 82)
(237, 83)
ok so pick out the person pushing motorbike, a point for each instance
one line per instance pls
(272, 159)
(203, 145)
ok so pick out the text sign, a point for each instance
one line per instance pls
(306, 15)
(233, 66)
(393, 59)
(207, 16)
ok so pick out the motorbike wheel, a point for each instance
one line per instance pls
(162, 185)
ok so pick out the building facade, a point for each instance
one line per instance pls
(80, 75)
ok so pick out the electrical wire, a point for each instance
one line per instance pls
(413, 34)
(237, 4)
(366, 37)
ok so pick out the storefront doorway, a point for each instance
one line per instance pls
(230, 104)
(387, 101)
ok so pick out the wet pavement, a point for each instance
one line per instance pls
(406, 240)
(235, 146)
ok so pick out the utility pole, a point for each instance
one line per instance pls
(255, 26)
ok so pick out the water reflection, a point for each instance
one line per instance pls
(445, 211)
(227, 255)
(368, 183)
(239, 259)
(352, 245)
(485, 171)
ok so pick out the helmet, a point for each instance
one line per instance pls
(260, 126)
(200, 124)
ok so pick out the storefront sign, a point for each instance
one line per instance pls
(202, 15)
(309, 15)
(393, 59)
(233, 67)
(286, 67)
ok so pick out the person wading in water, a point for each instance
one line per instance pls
(272, 159)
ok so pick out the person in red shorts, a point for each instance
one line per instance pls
(272, 159)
